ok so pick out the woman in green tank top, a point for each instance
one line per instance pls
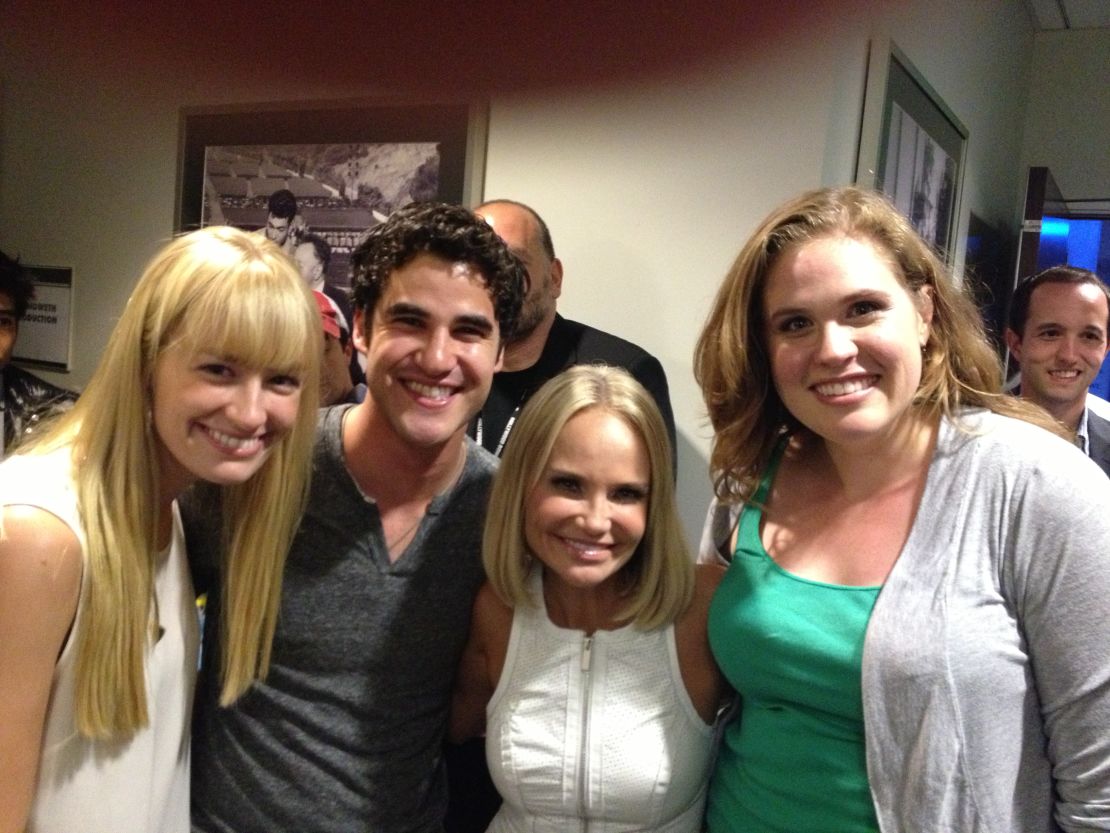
(881, 611)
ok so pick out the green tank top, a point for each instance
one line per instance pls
(794, 760)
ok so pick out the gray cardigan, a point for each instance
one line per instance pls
(986, 665)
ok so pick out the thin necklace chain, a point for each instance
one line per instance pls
(392, 545)
(400, 539)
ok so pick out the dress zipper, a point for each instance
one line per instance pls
(584, 742)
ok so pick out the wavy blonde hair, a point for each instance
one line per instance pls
(960, 369)
(233, 294)
(660, 576)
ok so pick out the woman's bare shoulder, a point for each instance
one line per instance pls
(40, 573)
(706, 579)
(491, 616)
(37, 549)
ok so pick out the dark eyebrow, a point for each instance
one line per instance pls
(1049, 325)
(402, 308)
(475, 322)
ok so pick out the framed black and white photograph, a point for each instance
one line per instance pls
(324, 174)
(912, 147)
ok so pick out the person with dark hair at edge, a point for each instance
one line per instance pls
(25, 399)
(1057, 331)
(346, 732)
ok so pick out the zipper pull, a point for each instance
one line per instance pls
(587, 645)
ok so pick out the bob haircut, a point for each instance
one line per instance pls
(960, 368)
(659, 578)
(232, 294)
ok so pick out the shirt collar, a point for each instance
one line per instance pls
(1081, 434)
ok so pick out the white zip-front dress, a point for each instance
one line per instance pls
(594, 733)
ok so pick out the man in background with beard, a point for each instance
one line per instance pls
(545, 343)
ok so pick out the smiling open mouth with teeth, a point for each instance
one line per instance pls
(842, 388)
(588, 550)
(574, 543)
(240, 445)
(429, 391)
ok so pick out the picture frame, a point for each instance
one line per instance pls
(912, 146)
(334, 155)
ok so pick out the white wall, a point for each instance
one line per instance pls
(1067, 125)
(650, 190)
(649, 182)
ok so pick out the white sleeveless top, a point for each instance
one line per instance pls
(594, 728)
(140, 785)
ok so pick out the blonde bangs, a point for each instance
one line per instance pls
(238, 322)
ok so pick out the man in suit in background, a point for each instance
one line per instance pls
(545, 343)
(1059, 320)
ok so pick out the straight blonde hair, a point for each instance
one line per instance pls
(659, 579)
(235, 295)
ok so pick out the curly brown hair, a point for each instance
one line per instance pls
(448, 231)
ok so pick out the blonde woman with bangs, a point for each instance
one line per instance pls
(205, 378)
(588, 665)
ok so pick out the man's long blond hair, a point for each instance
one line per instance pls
(234, 295)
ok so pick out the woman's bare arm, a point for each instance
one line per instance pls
(40, 581)
(703, 680)
(480, 668)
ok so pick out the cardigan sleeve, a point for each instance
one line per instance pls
(1060, 573)
(716, 534)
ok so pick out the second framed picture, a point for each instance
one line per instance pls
(912, 147)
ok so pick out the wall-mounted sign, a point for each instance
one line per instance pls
(44, 332)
